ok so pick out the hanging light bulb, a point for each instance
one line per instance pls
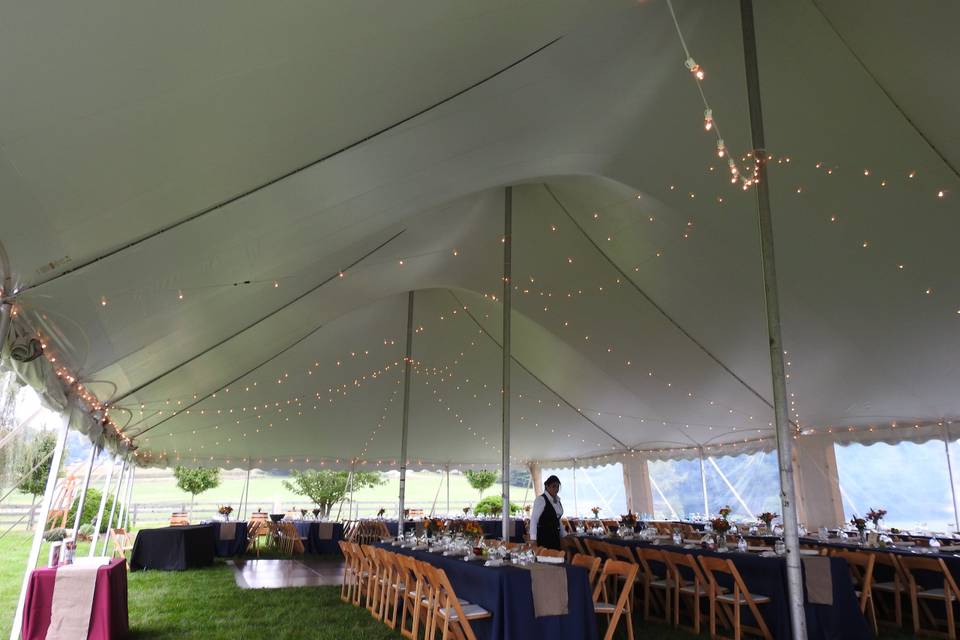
(721, 148)
(708, 119)
(695, 69)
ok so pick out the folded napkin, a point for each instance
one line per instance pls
(73, 590)
(549, 587)
(228, 530)
(818, 580)
(325, 530)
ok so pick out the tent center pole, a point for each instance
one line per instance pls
(505, 389)
(407, 366)
(771, 294)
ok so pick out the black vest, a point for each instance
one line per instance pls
(548, 526)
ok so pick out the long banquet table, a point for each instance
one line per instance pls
(174, 548)
(491, 528)
(768, 576)
(108, 614)
(506, 592)
(230, 546)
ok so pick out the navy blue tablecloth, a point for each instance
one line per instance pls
(309, 531)
(506, 593)
(173, 548)
(234, 547)
(768, 576)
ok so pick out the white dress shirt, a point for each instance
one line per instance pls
(538, 506)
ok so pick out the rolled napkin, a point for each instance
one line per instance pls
(228, 530)
(818, 580)
(549, 586)
(73, 590)
(325, 530)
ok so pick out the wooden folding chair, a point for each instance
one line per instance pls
(375, 581)
(591, 564)
(657, 585)
(622, 575)
(920, 596)
(364, 574)
(731, 603)
(392, 588)
(897, 587)
(693, 587)
(595, 547)
(450, 613)
(122, 542)
(861, 566)
(350, 579)
(572, 546)
(413, 593)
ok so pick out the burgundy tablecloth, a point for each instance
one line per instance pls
(108, 617)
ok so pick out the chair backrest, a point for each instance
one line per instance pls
(646, 555)
(910, 564)
(571, 545)
(566, 525)
(596, 547)
(444, 597)
(712, 566)
(861, 566)
(617, 568)
(618, 552)
(591, 564)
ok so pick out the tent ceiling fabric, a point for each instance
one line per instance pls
(112, 133)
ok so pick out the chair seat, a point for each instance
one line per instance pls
(470, 611)
(604, 607)
(729, 598)
(427, 602)
(888, 586)
(704, 589)
(938, 594)
(662, 584)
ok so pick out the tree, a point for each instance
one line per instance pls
(91, 504)
(493, 506)
(326, 488)
(33, 467)
(195, 481)
(481, 480)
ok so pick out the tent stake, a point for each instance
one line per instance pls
(780, 411)
(505, 389)
(407, 364)
(41, 523)
(103, 504)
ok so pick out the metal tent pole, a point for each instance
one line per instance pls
(407, 365)
(129, 501)
(245, 496)
(780, 407)
(505, 340)
(350, 487)
(103, 504)
(953, 487)
(41, 523)
(576, 505)
(703, 486)
(83, 491)
(113, 506)
(448, 490)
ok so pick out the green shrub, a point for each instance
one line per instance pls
(55, 535)
(85, 532)
(492, 506)
(90, 505)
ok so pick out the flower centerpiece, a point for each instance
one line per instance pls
(859, 524)
(465, 510)
(875, 516)
(725, 511)
(381, 512)
(225, 511)
(767, 518)
(303, 514)
(434, 526)
(472, 529)
(721, 526)
(596, 511)
(628, 522)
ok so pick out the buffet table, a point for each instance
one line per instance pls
(174, 548)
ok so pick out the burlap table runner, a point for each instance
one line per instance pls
(549, 587)
(228, 530)
(818, 580)
(325, 530)
(73, 591)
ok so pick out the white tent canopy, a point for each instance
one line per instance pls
(241, 198)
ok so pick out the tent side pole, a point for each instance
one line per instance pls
(83, 491)
(41, 523)
(780, 407)
(407, 366)
(953, 487)
(703, 486)
(113, 507)
(448, 489)
(505, 339)
(103, 504)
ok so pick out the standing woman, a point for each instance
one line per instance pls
(545, 527)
